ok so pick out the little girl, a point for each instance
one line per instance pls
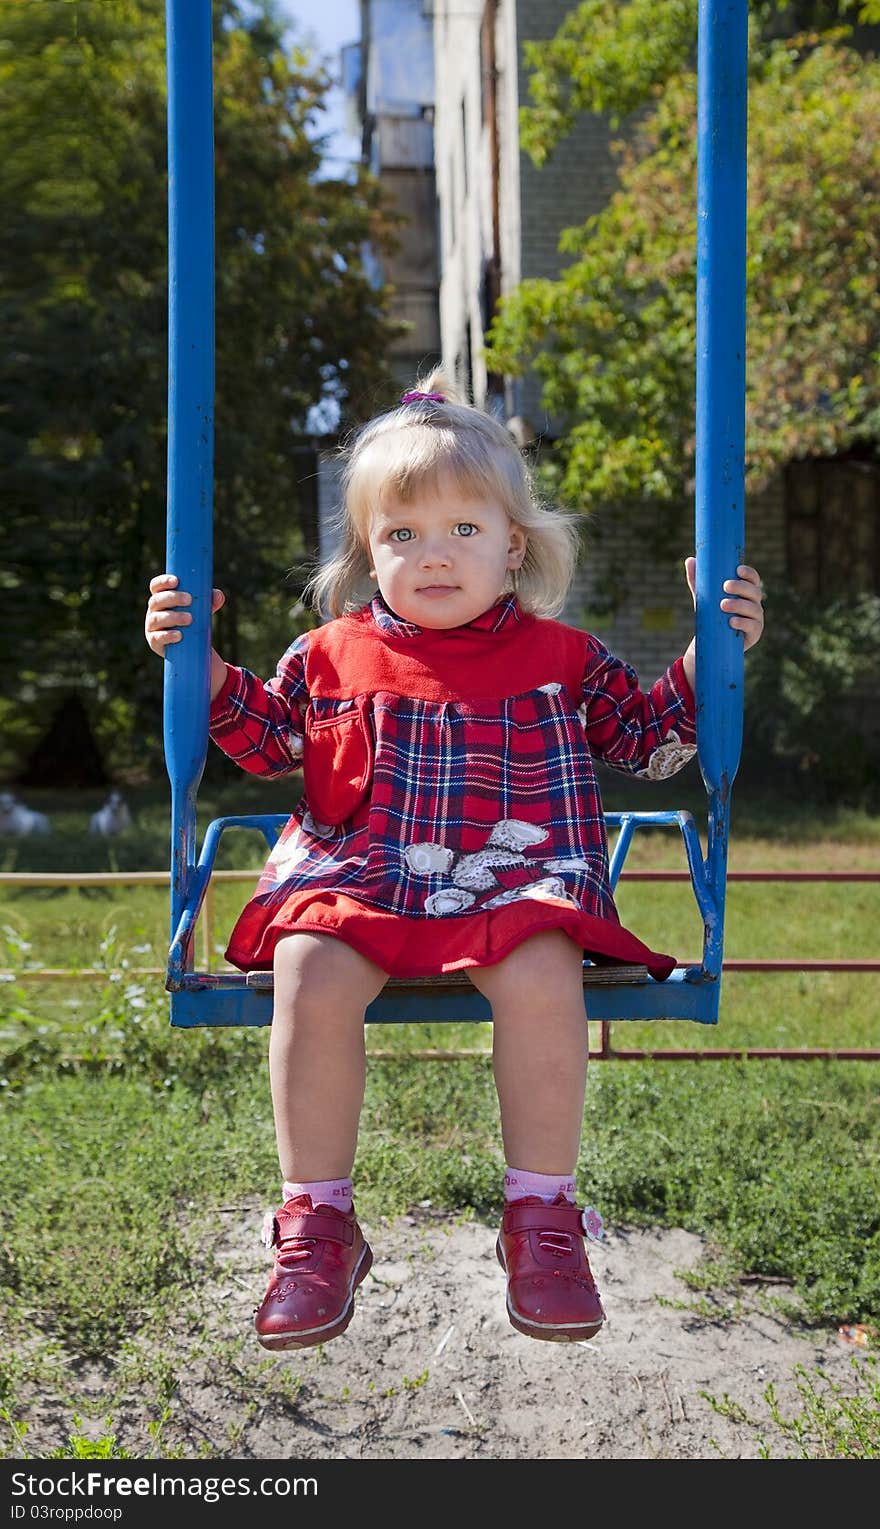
(450, 819)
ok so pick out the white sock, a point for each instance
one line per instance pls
(518, 1183)
(336, 1192)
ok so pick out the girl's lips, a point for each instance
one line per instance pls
(438, 589)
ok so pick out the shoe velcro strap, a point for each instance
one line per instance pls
(543, 1218)
(310, 1224)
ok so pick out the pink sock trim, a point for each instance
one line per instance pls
(336, 1192)
(518, 1184)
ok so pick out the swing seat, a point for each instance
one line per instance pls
(610, 992)
(447, 982)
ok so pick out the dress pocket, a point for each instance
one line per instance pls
(338, 762)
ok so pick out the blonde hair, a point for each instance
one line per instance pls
(414, 446)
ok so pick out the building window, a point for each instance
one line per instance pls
(832, 526)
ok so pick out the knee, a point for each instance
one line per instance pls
(305, 971)
(544, 972)
(317, 974)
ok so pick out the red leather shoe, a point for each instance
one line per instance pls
(550, 1290)
(320, 1259)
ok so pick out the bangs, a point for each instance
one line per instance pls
(403, 463)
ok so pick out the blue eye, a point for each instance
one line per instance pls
(402, 533)
(465, 528)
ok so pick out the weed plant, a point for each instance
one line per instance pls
(830, 1423)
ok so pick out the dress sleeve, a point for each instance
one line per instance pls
(651, 734)
(260, 725)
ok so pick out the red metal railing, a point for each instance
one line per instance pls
(606, 1051)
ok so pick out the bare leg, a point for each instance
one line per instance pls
(317, 1061)
(540, 1048)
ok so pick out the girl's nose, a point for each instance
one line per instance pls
(435, 552)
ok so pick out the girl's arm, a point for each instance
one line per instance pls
(651, 733)
(654, 733)
(167, 612)
(219, 667)
(259, 726)
(744, 595)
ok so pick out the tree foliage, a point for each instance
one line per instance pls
(83, 392)
(819, 659)
(613, 339)
(613, 58)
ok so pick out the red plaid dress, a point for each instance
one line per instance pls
(450, 808)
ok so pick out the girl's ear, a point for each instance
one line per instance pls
(516, 547)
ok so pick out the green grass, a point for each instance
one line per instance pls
(110, 1166)
(116, 1131)
(118, 1134)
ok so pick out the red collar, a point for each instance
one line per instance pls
(504, 613)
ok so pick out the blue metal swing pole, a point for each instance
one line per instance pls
(190, 423)
(720, 420)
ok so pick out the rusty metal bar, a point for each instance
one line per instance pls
(735, 965)
(757, 876)
(479, 1054)
(106, 878)
(161, 878)
(97, 974)
(744, 1053)
(719, 1054)
(81, 974)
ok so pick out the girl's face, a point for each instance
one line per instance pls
(443, 559)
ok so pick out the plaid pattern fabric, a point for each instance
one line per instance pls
(435, 801)
(261, 726)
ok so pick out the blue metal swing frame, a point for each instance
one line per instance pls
(230, 998)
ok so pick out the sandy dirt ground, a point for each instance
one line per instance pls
(431, 1369)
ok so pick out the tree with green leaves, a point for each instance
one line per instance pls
(83, 390)
(613, 338)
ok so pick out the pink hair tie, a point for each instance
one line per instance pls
(420, 397)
